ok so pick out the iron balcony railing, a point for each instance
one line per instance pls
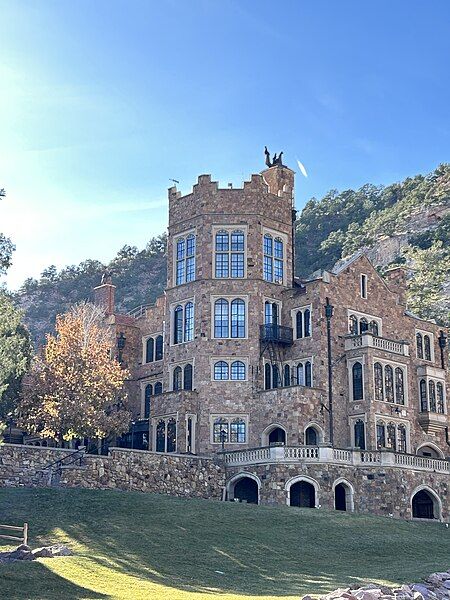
(277, 334)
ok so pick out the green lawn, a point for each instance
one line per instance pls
(142, 546)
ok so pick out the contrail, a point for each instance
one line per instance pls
(302, 168)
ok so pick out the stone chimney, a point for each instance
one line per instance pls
(280, 180)
(104, 295)
(396, 281)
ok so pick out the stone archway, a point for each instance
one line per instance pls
(274, 435)
(430, 450)
(244, 487)
(425, 504)
(343, 495)
(302, 491)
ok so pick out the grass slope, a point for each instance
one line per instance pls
(133, 546)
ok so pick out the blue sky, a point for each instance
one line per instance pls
(102, 102)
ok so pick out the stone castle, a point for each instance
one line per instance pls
(313, 392)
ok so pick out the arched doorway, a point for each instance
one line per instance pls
(277, 437)
(303, 493)
(311, 436)
(425, 505)
(246, 490)
(339, 497)
(429, 451)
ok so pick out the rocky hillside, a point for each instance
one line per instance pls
(407, 222)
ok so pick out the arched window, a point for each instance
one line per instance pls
(221, 318)
(267, 376)
(419, 345)
(357, 381)
(308, 374)
(373, 327)
(378, 377)
(432, 396)
(423, 396)
(177, 379)
(440, 397)
(399, 386)
(268, 257)
(275, 376)
(178, 325)
(221, 370)
(161, 436)
(237, 431)
(353, 325)
(359, 432)
(171, 435)
(391, 438)
(300, 374)
(299, 324)
(311, 436)
(307, 322)
(189, 322)
(237, 370)
(149, 346)
(148, 396)
(220, 431)
(381, 435)
(287, 375)
(401, 442)
(427, 347)
(159, 347)
(237, 318)
(363, 325)
(158, 388)
(389, 383)
(187, 379)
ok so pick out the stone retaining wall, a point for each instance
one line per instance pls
(176, 474)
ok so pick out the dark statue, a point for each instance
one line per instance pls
(277, 161)
(107, 277)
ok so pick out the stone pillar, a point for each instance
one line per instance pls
(104, 296)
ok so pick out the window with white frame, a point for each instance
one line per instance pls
(181, 377)
(358, 432)
(359, 323)
(392, 435)
(355, 369)
(363, 286)
(274, 253)
(301, 318)
(425, 345)
(184, 258)
(165, 434)
(298, 372)
(229, 253)
(153, 348)
(149, 390)
(229, 370)
(230, 318)
(183, 322)
(390, 382)
(228, 429)
(432, 395)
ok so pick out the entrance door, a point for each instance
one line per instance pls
(277, 437)
(303, 494)
(340, 500)
(246, 489)
(423, 506)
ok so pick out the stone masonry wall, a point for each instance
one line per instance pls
(177, 475)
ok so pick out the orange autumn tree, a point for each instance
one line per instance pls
(75, 388)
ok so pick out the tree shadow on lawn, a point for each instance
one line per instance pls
(242, 549)
(34, 581)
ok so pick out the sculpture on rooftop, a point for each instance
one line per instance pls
(277, 161)
(106, 277)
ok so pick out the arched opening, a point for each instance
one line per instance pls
(312, 436)
(425, 505)
(343, 496)
(277, 437)
(244, 488)
(303, 493)
(430, 451)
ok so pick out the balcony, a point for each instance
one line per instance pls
(338, 456)
(368, 340)
(277, 334)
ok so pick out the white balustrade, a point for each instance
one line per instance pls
(368, 340)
